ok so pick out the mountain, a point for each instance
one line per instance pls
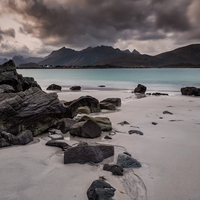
(3, 60)
(85, 57)
(18, 60)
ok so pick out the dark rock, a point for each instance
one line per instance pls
(25, 137)
(126, 161)
(167, 112)
(65, 124)
(4, 142)
(191, 91)
(62, 145)
(107, 137)
(124, 123)
(114, 101)
(100, 190)
(10, 138)
(140, 89)
(86, 129)
(75, 88)
(84, 154)
(107, 106)
(9, 76)
(154, 123)
(159, 94)
(32, 110)
(6, 89)
(115, 169)
(103, 122)
(136, 132)
(89, 101)
(54, 87)
(101, 86)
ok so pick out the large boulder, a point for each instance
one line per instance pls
(89, 101)
(54, 87)
(103, 122)
(25, 137)
(140, 89)
(86, 129)
(115, 101)
(9, 76)
(190, 91)
(84, 154)
(75, 88)
(100, 190)
(32, 110)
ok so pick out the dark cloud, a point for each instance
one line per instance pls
(81, 23)
(8, 32)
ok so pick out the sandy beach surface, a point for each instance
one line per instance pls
(169, 154)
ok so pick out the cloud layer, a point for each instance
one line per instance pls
(81, 23)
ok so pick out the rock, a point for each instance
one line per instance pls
(81, 143)
(10, 138)
(124, 123)
(89, 101)
(9, 76)
(191, 91)
(107, 137)
(56, 137)
(140, 89)
(62, 145)
(136, 132)
(53, 131)
(65, 124)
(114, 101)
(76, 88)
(84, 110)
(103, 122)
(54, 87)
(167, 112)
(4, 142)
(115, 169)
(159, 94)
(101, 86)
(107, 106)
(84, 154)
(154, 123)
(100, 190)
(32, 110)
(126, 161)
(86, 129)
(25, 137)
(6, 89)
(140, 95)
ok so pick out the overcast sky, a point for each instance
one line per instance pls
(36, 27)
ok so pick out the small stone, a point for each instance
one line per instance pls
(107, 137)
(75, 88)
(136, 132)
(167, 112)
(115, 169)
(154, 123)
(124, 123)
(62, 145)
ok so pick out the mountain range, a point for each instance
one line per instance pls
(107, 55)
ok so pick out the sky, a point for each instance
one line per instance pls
(37, 27)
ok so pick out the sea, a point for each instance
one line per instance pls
(155, 79)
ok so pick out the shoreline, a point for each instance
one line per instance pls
(167, 151)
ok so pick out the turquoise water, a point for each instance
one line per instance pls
(156, 79)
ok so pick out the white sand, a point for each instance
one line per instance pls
(169, 153)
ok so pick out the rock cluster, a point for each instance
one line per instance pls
(191, 91)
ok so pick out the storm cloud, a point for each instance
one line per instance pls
(81, 23)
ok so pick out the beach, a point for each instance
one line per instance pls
(167, 151)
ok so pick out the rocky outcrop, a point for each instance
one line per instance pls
(190, 91)
(32, 110)
(103, 122)
(100, 190)
(9, 76)
(6, 89)
(86, 129)
(115, 101)
(54, 87)
(140, 89)
(126, 161)
(88, 101)
(84, 154)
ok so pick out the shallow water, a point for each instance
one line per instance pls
(156, 79)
